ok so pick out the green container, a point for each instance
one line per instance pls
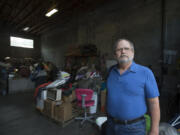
(148, 123)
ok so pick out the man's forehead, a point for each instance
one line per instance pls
(123, 43)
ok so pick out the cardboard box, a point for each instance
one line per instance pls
(73, 95)
(49, 106)
(63, 112)
(103, 101)
(69, 98)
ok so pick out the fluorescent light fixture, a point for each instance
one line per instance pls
(50, 13)
(26, 29)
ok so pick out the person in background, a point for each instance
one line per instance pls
(39, 76)
(131, 89)
(51, 70)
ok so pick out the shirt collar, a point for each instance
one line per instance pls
(132, 68)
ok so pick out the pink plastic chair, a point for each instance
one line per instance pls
(84, 99)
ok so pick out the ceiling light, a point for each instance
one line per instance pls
(26, 29)
(51, 12)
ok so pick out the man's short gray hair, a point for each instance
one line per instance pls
(116, 43)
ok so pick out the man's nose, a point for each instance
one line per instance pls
(122, 50)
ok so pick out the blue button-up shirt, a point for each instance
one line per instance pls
(127, 92)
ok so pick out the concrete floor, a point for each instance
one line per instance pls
(18, 116)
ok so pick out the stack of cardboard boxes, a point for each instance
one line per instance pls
(59, 110)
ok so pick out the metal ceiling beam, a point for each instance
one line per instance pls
(67, 15)
(66, 9)
(42, 25)
(2, 6)
(79, 7)
(33, 17)
(29, 2)
(51, 24)
(28, 16)
(44, 19)
(31, 13)
(10, 15)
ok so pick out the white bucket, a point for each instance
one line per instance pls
(100, 121)
(44, 94)
(93, 108)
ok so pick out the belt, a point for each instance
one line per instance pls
(124, 122)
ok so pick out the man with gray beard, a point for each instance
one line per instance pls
(129, 86)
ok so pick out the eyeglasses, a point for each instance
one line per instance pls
(121, 49)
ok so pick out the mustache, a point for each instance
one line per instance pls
(123, 55)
